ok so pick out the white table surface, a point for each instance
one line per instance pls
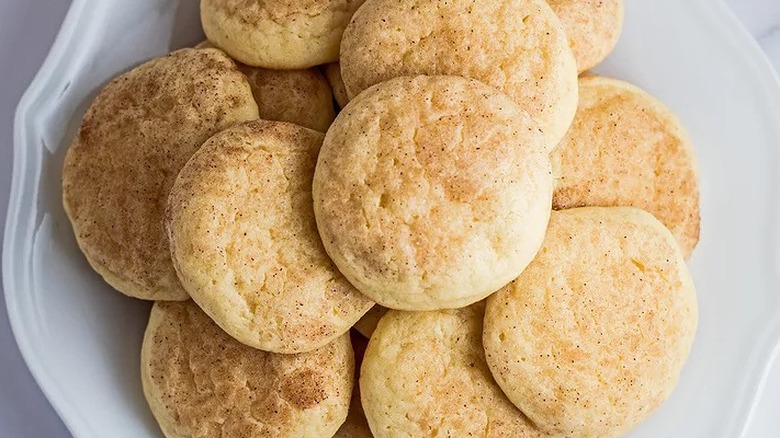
(27, 29)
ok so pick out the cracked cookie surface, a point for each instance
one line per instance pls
(516, 46)
(245, 243)
(592, 336)
(424, 374)
(432, 192)
(200, 382)
(278, 34)
(135, 137)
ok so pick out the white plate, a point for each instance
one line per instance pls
(82, 341)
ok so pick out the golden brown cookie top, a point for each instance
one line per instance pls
(516, 46)
(591, 338)
(201, 382)
(138, 133)
(278, 34)
(245, 242)
(432, 192)
(424, 374)
(625, 148)
(593, 27)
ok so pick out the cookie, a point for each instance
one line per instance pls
(302, 97)
(424, 374)
(200, 382)
(593, 27)
(367, 324)
(517, 46)
(333, 73)
(591, 338)
(135, 137)
(432, 192)
(625, 148)
(278, 34)
(245, 243)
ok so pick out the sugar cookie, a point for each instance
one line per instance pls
(591, 338)
(625, 148)
(278, 34)
(424, 374)
(200, 382)
(138, 133)
(593, 27)
(517, 46)
(432, 192)
(245, 243)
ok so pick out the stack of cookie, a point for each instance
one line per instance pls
(527, 227)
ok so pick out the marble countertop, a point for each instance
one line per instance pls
(27, 29)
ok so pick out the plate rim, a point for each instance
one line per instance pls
(20, 180)
(764, 354)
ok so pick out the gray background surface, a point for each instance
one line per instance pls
(27, 30)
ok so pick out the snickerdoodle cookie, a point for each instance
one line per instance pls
(356, 425)
(432, 192)
(516, 46)
(424, 374)
(625, 148)
(278, 34)
(138, 133)
(302, 97)
(245, 243)
(593, 27)
(200, 382)
(591, 338)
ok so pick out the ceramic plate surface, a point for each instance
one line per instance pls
(82, 341)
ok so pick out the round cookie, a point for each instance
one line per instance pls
(333, 73)
(516, 46)
(245, 243)
(135, 137)
(199, 382)
(278, 34)
(625, 148)
(424, 374)
(302, 97)
(591, 338)
(367, 324)
(432, 192)
(593, 27)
